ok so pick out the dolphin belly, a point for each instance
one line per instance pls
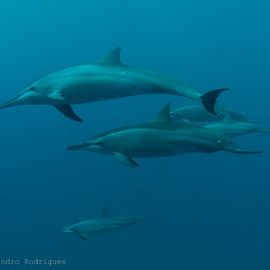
(161, 150)
(102, 88)
(143, 149)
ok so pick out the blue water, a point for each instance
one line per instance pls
(204, 211)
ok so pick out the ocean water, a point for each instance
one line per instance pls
(204, 211)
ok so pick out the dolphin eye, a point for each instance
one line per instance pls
(32, 88)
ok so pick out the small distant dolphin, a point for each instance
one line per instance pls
(196, 113)
(162, 136)
(234, 128)
(101, 225)
(108, 79)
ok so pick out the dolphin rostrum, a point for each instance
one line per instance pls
(108, 79)
(234, 128)
(104, 223)
(162, 136)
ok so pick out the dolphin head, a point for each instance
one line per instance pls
(29, 95)
(212, 140)
(67, 229)
(75, 231)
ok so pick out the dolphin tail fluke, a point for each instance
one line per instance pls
(68, 112)
(83, 236)
(209, 99)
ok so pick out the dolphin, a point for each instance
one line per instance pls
(101, 225)
(107, 79)
(234, 128)
(162, 136)
(197, 113)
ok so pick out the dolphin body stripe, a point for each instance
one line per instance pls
(107, 79)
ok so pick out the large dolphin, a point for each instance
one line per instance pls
(234, 128)
(196, 113)
(162, 136)
(101, 225)
(108, 79)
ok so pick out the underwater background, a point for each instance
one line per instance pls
(204, 211)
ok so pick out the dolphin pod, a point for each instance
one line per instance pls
(167, 134)
(103, 224)
(107, 79)
(161, 136)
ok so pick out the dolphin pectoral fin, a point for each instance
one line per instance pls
(209, 99)
(125, 159)
(83, 236)
(68, 112)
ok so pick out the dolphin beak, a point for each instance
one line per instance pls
(78, 147)
(22, 99)
(66, 231)
(10, 103)
(240, 151)
(247, 152)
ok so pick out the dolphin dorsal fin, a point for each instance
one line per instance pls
(164, 115)
(165, 118)
(103, 213)
(228, 118)
(112, 58)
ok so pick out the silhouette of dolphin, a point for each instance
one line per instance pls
(108, 79)
(234, 128)
(102, 224)
(162, 136)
